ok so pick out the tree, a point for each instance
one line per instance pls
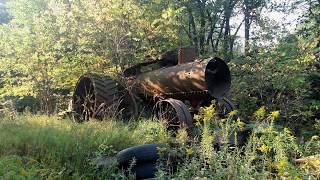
(227, 39)
(251, 9)
(48, 39)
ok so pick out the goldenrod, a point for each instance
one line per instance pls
(264, 148)
(260, 113)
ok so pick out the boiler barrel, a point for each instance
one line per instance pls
(211, 75)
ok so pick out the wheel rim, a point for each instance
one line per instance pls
(174, 114)
(166, 114)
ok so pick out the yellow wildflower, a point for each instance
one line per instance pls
(206, 119)
(198, 124)
(232, 113)
(298, 178)
(274, 115)
(260, 113)
(281, 165)
(197, 117)
(271, 164)
(208, 113)
(264, 148)
(239, 123)
(182, 136)
(287, 131)
(223, 120)
(189, 151)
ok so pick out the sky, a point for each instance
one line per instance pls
(287, 20)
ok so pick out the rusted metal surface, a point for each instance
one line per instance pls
(211, 75)
(98, 96)
(167, 59)
(186, 55)
(175, 84)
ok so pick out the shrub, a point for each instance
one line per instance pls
(269, 153)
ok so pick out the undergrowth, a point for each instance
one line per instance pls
(46, 147)
(38, 147)
(269, 152)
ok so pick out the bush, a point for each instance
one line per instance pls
(268, 154)
(283, 78)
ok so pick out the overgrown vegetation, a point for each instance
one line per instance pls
(45, 45)
(41, 147)
(269, 152)
(43, 40)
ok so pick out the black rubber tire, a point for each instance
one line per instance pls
(141, 154)
(146, 170)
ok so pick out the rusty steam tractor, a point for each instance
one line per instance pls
(173, 87)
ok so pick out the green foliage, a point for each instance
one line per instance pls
(47, 40)
(27, 103)
(45, 45)
(16, 167)
(279, 79)
(38, 146)
(268, 154)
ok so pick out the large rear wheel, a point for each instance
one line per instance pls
(97, 96)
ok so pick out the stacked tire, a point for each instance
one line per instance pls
(141, 159)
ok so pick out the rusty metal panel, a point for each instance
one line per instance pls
(186, 55)
(211, 75)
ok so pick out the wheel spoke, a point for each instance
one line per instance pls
(174, 114)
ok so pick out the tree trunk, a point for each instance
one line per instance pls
(226, 35)
(246, 27)
(193, 29)
(201, 6)
(215, 47)
(210, 34)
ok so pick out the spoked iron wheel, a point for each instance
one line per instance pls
(174, 113)
(92, 95)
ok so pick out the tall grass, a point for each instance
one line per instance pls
(63, 148)
(37, 147)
